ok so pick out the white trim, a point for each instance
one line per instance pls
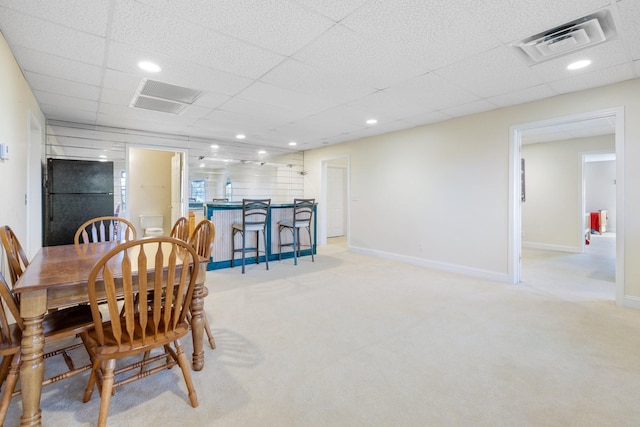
(550, 247)
(33, 201)
(185, 171)
(515, 219)
(322, 203)
(436, 265)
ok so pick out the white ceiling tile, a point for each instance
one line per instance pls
(427, 118)
(66, 101)
(348, 54)
(118, 97)
(89, 16)
(629, 13)
(430, 32)
(511, 20)
(520, 97)
(121, 81)
(604, 55)
(45, 83)
(125, 58)
(470, 108)
(279, 26)
(211, 100)
(56, 66)
(429, 92)
(44, 36)
(288, 100)
(594, 79)
(160, 33)
(495, 72)
(304, 78)
(334, 9)
(58, 112)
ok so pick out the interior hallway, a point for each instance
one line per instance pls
(354, 340)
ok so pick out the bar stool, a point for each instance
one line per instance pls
(302, 216)
(255, 216)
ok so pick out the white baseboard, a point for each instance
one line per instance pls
(436, 265)
(550, 247)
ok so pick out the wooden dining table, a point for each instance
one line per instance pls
(57, 277)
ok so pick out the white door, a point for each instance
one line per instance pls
(335, 201)
(176, 187)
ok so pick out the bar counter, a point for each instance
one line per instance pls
(223, 214)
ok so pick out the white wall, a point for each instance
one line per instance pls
(16, 103)
(552, 214)
(600, 191)
(449, 182)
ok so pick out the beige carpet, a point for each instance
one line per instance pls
(352, 340)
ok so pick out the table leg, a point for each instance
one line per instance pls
(197, 323)
(32, 371)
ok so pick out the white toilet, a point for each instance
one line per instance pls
(152, 225)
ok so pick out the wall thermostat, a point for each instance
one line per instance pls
(4, 151)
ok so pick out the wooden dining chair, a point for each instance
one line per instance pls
(202, 241)
(180, 229)
(143, 324)
(255, 216)
(302, 218)
(104, 229)
(16, 257)
(57, 325)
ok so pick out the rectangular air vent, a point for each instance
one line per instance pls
(164, 97)
(568, 38)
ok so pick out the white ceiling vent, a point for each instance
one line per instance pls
(568, 38)
(159, 96)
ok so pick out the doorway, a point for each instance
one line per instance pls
(155, 184)
(333, 218)
(515, 214)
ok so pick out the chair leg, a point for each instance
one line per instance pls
(295, 254)
(279, 243)
(207, 328)
(186, 373)
(9, 385)
(233, 246)
(105, 393)
(244, 248)
(310, 243)
(257, 247)
(266, 250)
(92, 381)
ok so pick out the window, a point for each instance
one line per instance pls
(198, 191)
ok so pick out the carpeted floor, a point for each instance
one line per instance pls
(353, 340)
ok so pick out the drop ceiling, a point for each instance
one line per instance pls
(307, 71)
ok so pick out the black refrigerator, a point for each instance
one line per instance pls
(75, 191)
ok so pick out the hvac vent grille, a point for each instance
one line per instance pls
(568, 38)
(164, 97)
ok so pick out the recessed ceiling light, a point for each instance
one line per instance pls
(293, 143)
(240, 136)
(215, 146)
(201, 165)
(149, 66)
(102, 156)
(262, 152)
(579, 64)
(372, 121)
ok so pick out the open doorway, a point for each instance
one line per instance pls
(333, 217)
(155, 186)
(516, 220)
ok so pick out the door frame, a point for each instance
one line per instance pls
(515, 211)
(322, 206)
(185, 171)
(33, 195)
